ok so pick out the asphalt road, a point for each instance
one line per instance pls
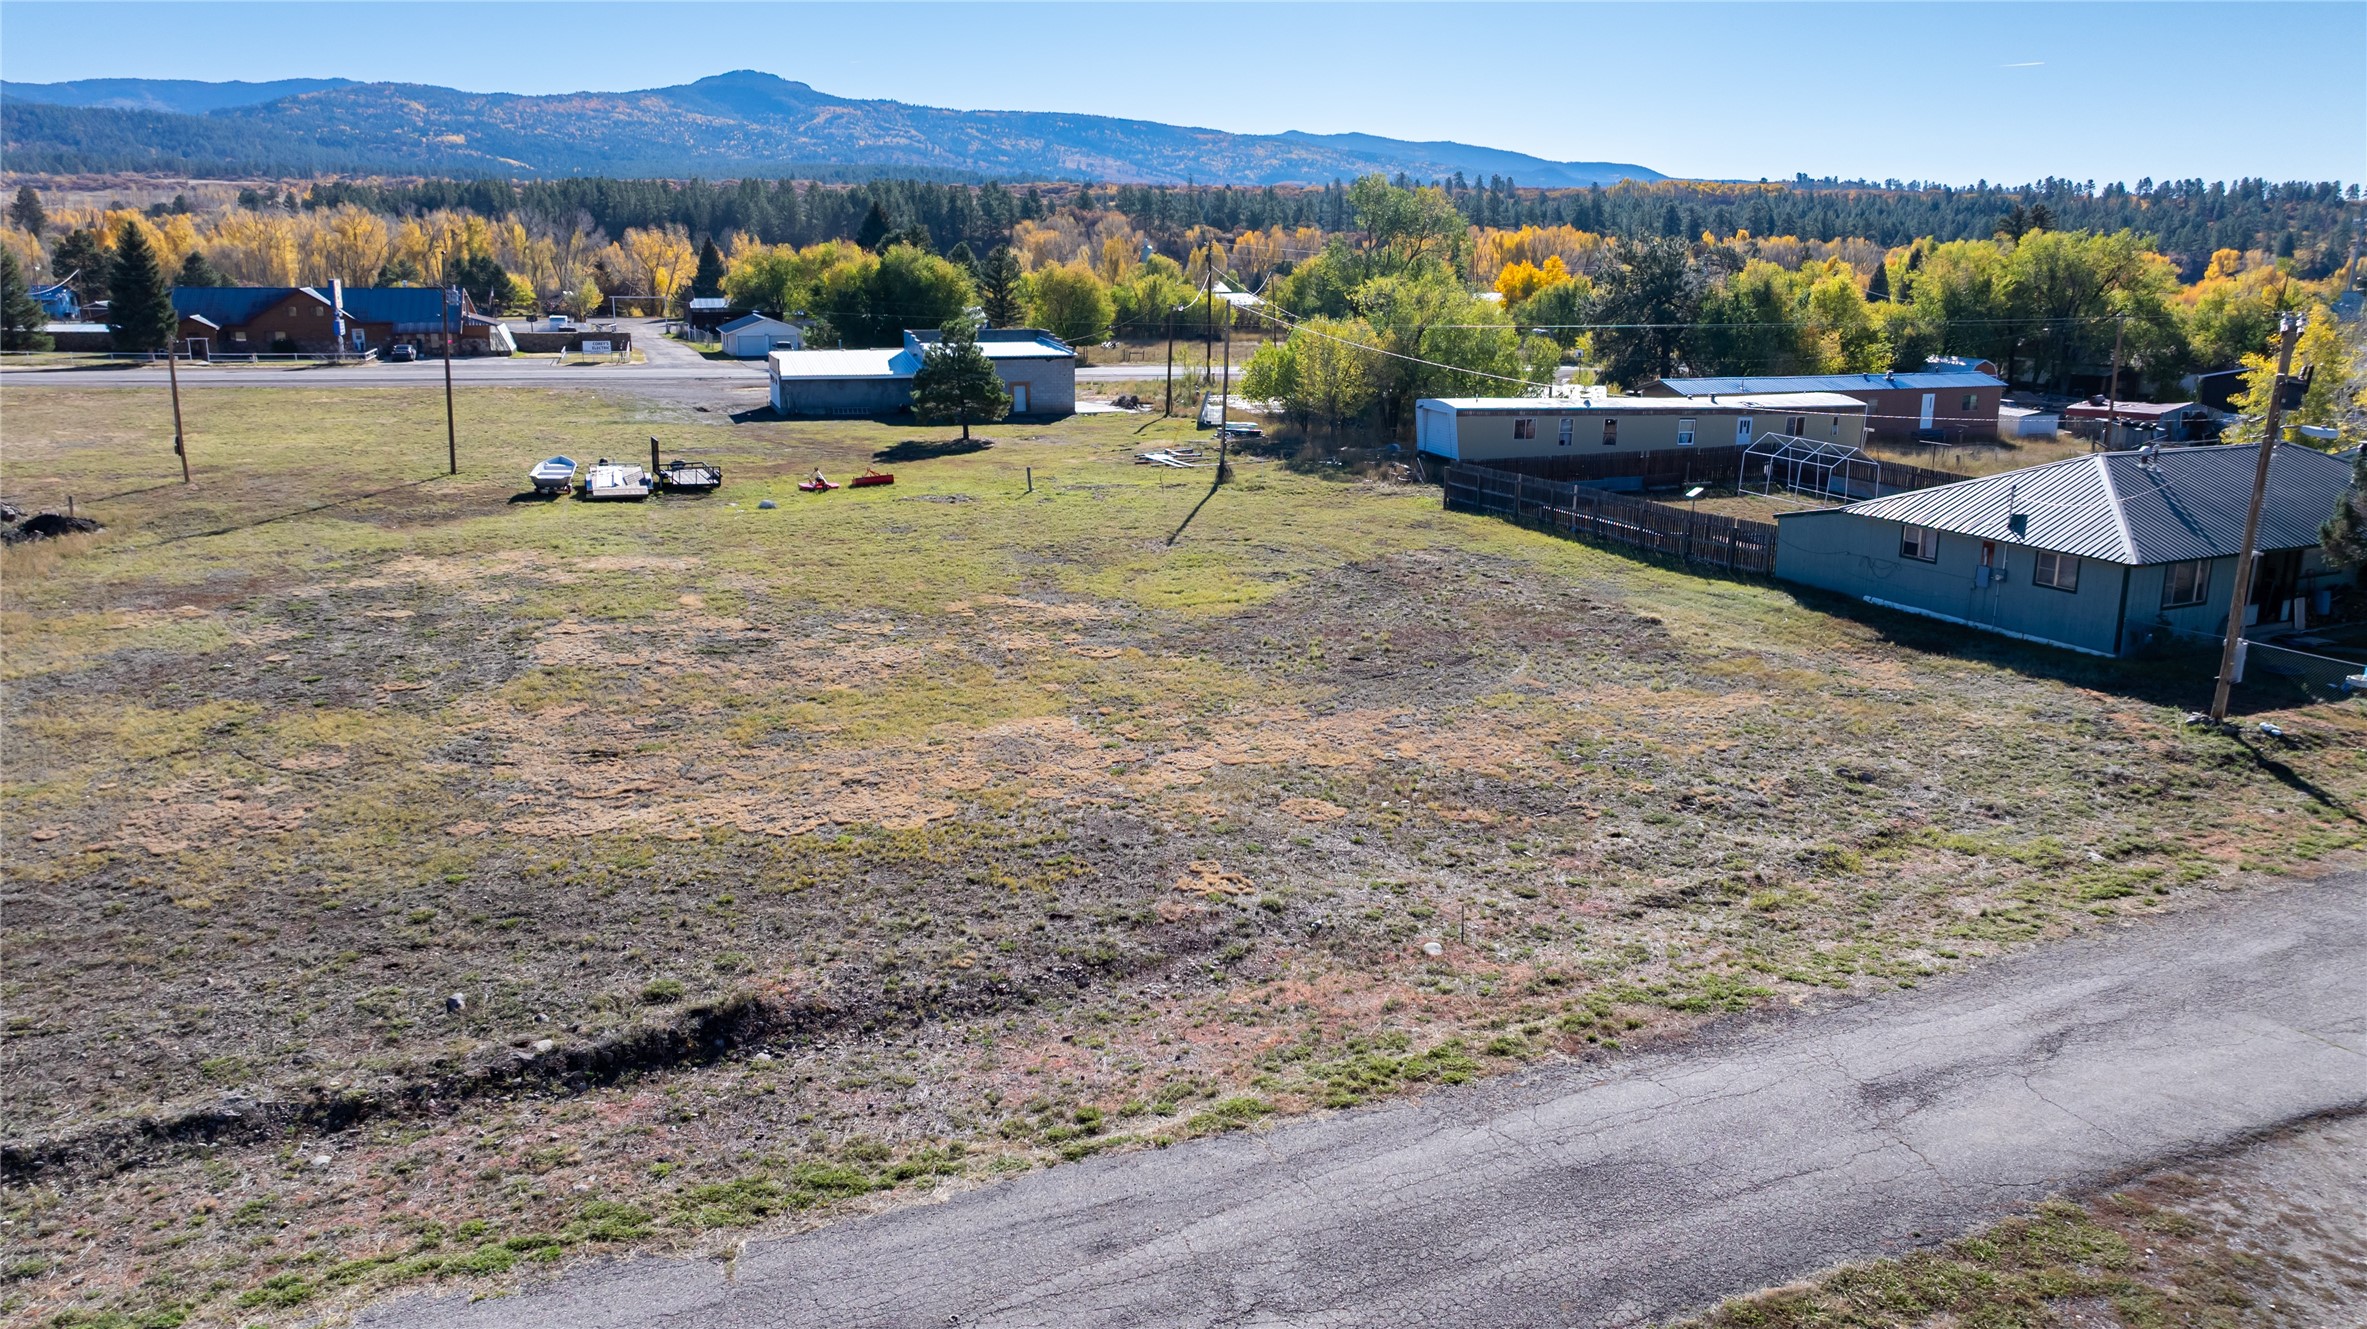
(1754, 1154)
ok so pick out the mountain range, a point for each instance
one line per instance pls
(740, 123)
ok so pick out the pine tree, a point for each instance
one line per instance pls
(1878, 289)
(963, 257)
(21, 316)
(874, 231)
(708, 280)
(27, 211)
(197, 270)
(998, 287)
(956, 381)
(2344, 536)
(139, 299)
(80, 260)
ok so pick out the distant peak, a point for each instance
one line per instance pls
(752, 78)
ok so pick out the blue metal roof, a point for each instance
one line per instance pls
(2117, 507)
(232, 306)
(1928, 379)
(408, 308)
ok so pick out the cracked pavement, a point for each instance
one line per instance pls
(1614, 1193)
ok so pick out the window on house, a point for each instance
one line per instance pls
(2187, 583)
(1568, 431)
(2060, 571)
(1684, 433)
(1969, 399)
(1796, 426)
(1919, 542)
(1610, 433)
(1524, 428)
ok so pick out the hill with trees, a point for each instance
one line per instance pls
(744, 122)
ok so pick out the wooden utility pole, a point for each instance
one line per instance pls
(172, 372)
(451, 424)
(2288, 331)
(2112, 386)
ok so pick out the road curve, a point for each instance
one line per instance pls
(1754, 1154)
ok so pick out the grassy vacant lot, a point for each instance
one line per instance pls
(410, 884)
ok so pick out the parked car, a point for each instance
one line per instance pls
(403, 353)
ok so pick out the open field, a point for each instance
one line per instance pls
(790, 862)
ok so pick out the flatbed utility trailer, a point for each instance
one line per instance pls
(689, 477)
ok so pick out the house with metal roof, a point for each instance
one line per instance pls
(1038, 369)
(2104, 554)
(1943, 403)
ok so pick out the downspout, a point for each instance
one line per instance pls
(2120, 624)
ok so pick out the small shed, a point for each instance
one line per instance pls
(754, 336)
(2133, 424)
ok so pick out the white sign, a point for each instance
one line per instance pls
(592, 347)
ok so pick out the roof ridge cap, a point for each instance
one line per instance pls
(2120, 516)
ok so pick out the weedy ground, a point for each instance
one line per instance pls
(410, 881)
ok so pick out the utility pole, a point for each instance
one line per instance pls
(2288, 331)
(2112, 388)
(172, 372)
(451, 425)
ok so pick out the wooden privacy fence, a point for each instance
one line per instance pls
(1599, 514)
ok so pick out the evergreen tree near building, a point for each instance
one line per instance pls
(400, 272)
(139, 299)
(1878, 289)
(21, 316)
(708, 280)
(483, 279)
(963, 257)
(80, 260)
(998, 287)
(198, 270)
(2344, 536)
(956, 382)
(27, 211)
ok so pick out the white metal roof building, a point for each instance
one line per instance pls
(1038, 369)
(1483, 429)
(2101, 553)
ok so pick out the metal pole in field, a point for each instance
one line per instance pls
(1224, 404)
(172, 370)
(451, 426)
(2288, 330)
(1170, 409)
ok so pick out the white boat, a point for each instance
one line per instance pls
(555, 476)
(614, 479)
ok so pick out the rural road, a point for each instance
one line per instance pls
(1753, 1154)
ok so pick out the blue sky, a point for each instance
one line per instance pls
(1935, 91)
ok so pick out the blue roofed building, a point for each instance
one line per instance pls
(2105, 554)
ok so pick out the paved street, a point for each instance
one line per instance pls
(1611, 1195)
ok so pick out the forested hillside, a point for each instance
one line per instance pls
(741, 123)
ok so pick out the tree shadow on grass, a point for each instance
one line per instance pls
(924, 449)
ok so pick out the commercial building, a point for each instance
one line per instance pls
(1039, 369)
(1945, 403)
(1484, 429)
(2105, 554)
(302, 320)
